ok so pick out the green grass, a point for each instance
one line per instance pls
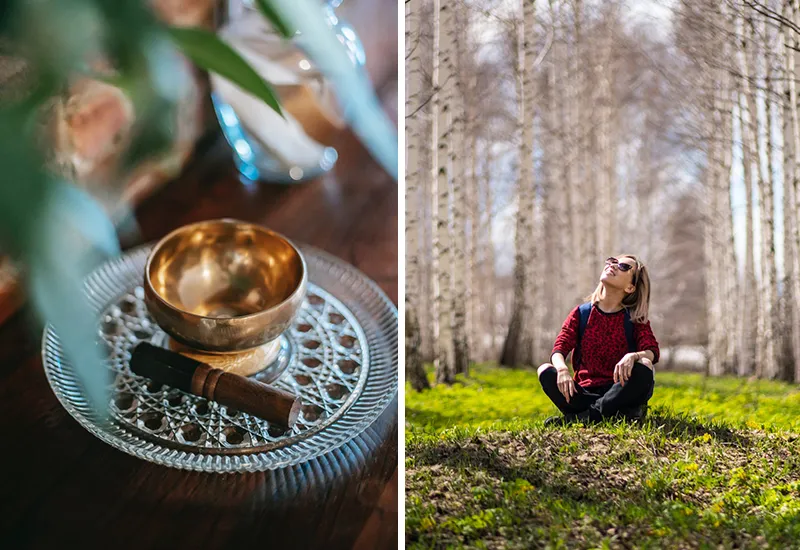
(716, 464)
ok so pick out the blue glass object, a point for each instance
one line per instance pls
(272, 150)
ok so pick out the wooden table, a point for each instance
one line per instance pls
(62, 487)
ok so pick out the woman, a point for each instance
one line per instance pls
(613, 347)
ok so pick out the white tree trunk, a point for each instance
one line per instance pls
(415, 371)
(765, 352)
(792, 198)
(606, 196)
(458, 161)
(427, 312)
(474, 294)
(518, 348)
(767, 202)
(534, 301)
(729, 308)
(712, 268)
(574, 280)
(489, 285)
(748, 303)
(730, 286)
(587, 174)
(582, 227)
(562, 87)
(440, 191)
(787, 303)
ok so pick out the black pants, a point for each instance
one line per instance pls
(602, 401)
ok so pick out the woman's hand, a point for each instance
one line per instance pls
(622, 371)
(565, 384)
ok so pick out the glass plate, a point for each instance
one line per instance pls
(340, 356)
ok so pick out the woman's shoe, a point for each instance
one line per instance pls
(635, 414)
(559, 420)
(568, 418)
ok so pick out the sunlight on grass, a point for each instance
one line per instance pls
(498, 397)
(715, 465)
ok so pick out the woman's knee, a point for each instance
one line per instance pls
(642, 369)
(543, 368)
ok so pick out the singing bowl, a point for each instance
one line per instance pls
(224, 285)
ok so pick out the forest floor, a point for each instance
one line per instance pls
(716, 464)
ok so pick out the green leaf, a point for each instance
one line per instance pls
(58, 232)
(281, 25)
(206, 50)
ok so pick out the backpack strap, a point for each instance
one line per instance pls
(584, 310)
(628, 324)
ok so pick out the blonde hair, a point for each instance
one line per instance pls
(637, 302)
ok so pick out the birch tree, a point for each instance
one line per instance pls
(473, 294)
(769, 286)
(748, 302)
(792, 185)
(458, 162)
(440, 191)
(518, 348)
(764, 349)
(730, 287)
(443, 242)
(488, 254)
(415, 372)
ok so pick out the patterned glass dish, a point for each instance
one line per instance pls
(340, 356)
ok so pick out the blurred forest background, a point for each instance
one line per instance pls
(544, 136)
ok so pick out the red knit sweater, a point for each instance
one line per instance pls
(604, 344)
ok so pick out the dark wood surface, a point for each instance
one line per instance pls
(62, 487)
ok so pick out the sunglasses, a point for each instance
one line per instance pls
(622, 267)
(615, 262)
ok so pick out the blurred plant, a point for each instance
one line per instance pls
(58, 232)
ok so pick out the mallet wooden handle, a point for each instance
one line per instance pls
(276, 406)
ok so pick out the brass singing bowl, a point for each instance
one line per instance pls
(224, 285)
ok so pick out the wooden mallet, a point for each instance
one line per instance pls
(164, 366)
